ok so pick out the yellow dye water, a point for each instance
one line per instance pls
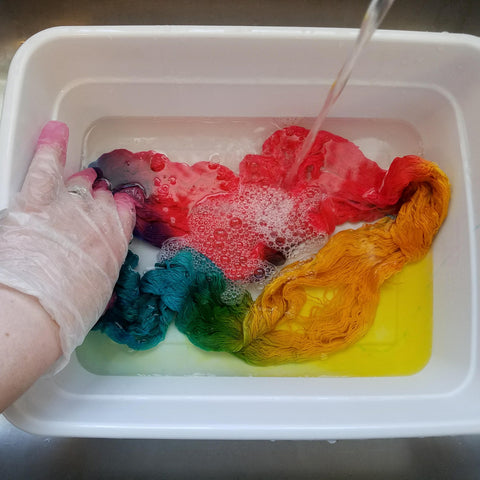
(399, 342)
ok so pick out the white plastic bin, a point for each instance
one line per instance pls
(427, 81)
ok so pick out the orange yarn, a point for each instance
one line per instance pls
(347, 274)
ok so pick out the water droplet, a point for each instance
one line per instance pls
(235, 222)
(220, 234)
(158, 162)
(157, 181)
(259, 273)
(280, 241)
(172, 180)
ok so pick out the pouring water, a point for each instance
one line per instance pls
(374, 15)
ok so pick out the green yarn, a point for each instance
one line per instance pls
(188, 288)
(206, 319)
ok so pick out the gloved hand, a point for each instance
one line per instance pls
(64, 242)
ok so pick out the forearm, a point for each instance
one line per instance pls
(63, 242)
(29, 343)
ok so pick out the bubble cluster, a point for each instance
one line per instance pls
(170, 248)
(233, 292)
(250, 232)
(307, 249)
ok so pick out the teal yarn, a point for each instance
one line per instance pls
(137, 319)
(170, 280)
(188, 288)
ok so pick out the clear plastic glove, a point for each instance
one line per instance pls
(64, 242)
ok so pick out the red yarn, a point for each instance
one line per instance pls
(238, 221)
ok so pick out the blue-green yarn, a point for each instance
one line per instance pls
(188, 288)
(136, 319)
(171, 280)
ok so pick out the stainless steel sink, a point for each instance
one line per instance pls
(24, 456)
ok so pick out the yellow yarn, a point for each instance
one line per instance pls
(349, 270)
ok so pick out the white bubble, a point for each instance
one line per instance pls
(170, 248)
(232, 230)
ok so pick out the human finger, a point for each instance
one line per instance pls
(81, 182)
(126, 212)
(44, 177)
(101, 184)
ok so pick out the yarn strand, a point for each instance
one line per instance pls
(347, 273)
(343, 278)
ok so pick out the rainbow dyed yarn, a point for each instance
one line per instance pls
(237, 229)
